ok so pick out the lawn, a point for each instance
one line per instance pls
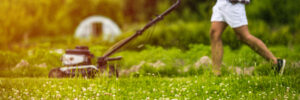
(153, 87)
(166, 73)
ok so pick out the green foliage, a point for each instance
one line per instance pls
(26, 19)
(178, 34)
(158, 60)
(8, 59)
(32, 63)
(23, 20)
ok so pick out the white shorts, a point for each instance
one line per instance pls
(233, 14)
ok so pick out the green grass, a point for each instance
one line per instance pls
(170, 81)
(153, 87)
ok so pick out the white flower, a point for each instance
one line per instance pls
(83, 89)
(92, 85)
(183, 89)
(90, 88)
(58, 96)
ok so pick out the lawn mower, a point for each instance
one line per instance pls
(77, 62)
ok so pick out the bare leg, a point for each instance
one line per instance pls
(255, 43)
(216, 31)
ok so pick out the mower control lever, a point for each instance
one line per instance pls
(113, 59)
(140, 32)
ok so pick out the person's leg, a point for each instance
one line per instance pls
(255, 43)
(216, 31)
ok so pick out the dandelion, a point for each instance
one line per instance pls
(250, 92)
(202, 87)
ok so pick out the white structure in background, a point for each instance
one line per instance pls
(110, 29)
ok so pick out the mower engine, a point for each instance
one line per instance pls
(78, 63)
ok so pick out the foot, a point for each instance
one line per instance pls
(279, 67)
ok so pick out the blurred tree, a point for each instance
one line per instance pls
(139, 10)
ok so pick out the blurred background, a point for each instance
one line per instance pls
(23, 20)
(52, 24)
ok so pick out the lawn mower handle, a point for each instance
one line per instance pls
(140, 32)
